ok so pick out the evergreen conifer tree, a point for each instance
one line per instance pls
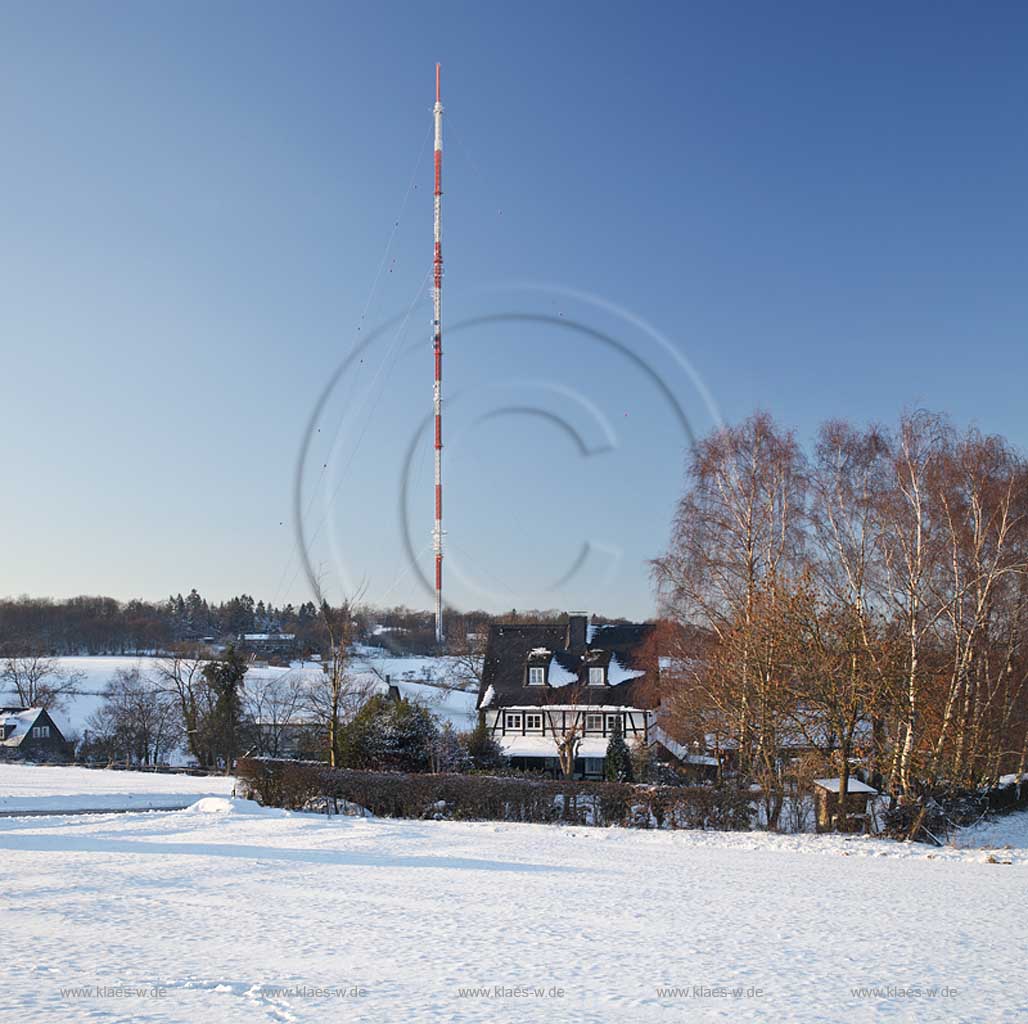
(225, 676)
(644, 761)
(618, 764)
(486, 754)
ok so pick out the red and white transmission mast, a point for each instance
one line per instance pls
(437, 347)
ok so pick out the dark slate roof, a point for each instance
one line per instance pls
(20, 721)
(510, 649)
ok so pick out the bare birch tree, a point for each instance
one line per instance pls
(182, 674)
(737, 541)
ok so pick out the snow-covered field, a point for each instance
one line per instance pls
(28, 788)
(228, 912)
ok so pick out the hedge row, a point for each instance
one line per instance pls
(300, 785)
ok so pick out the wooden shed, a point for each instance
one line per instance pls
(854, 816)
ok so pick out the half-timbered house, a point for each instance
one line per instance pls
(544, 681)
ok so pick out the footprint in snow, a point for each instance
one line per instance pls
(261, 994)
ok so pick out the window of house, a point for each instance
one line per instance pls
(611, 720)
(41, 732)
(536, 675)
(511, 721)
(597, 676)
(594, 723)
(533, 721)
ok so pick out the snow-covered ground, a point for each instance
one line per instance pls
(1000, 834)
(25, 788)
(233, 913)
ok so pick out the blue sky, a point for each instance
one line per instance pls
(822, 207)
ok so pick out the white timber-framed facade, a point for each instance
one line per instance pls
(543, 682)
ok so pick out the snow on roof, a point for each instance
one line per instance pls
(672, 746)
(852, 786)
(546, 746)
(487, 697)
(558, 675)
(302, 719)
(584, 708)
(21, 719)
(710, 762)
(538, 652)
(617, 673)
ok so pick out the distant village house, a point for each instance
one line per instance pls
(268, 645)
(30, 734)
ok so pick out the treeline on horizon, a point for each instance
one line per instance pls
(89, 625)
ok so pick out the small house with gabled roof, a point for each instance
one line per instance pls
(30, 734)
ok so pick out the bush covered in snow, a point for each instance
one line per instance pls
(400, 735)
(297, 785)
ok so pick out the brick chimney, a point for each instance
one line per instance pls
(577, 626)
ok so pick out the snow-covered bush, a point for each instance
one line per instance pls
(389, 734)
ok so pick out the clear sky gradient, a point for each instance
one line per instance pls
(822, 206)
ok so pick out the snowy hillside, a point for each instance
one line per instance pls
(432, 681)
(428, 680)
(233, 913)
(95, 674)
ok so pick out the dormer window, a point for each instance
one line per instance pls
(597, 676)
(536, 675)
